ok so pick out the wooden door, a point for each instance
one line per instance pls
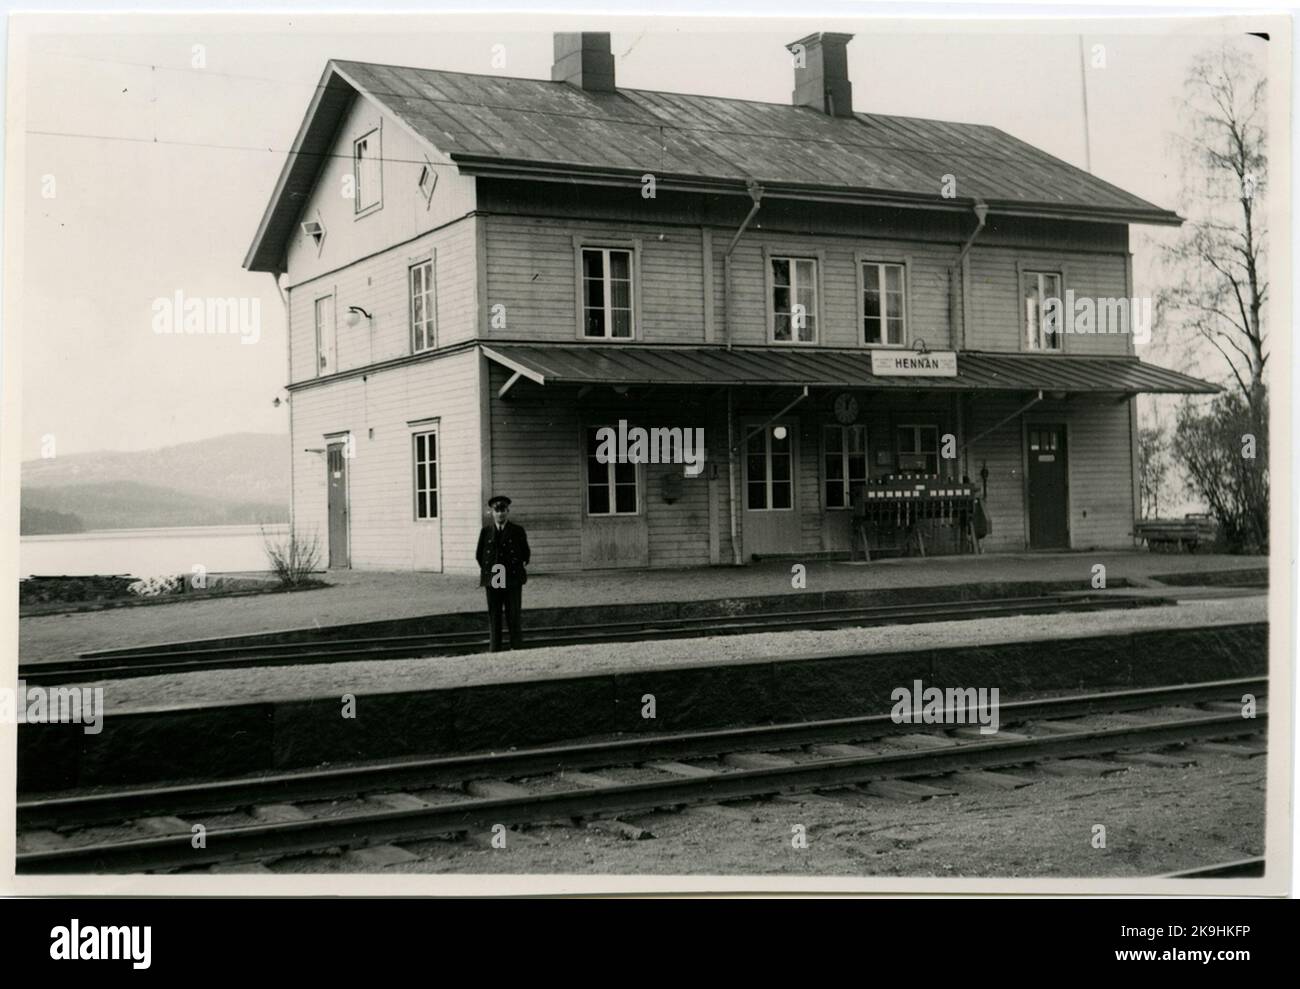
(336, 466)
(426, 540)
(1049, 493)
(771, 489)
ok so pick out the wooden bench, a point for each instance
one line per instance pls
(1177, 535)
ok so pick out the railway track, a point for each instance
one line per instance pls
(180, 658)
(744, 763)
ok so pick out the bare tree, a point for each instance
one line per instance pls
(1219, 284)
(1153, 467)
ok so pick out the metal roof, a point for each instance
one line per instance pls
(497, 125)
(650, 364)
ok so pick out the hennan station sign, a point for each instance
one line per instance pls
(910, 364)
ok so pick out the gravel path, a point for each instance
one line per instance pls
(331, 679)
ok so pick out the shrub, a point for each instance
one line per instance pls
(293, 558)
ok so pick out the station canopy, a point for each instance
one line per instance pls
(821, 367)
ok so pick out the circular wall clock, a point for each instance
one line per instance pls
(846, 408)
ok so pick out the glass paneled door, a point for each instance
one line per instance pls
(771, 524)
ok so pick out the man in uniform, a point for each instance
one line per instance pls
(502, 555)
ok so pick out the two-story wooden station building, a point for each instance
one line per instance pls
(479, 272)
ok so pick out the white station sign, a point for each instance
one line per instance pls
(910, 364)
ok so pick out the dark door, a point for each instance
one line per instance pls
(337, 466)
(1048, 488)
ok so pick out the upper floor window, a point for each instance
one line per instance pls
(611, 487)
(366, 172)
(884, 306)
(607, 292)
(845, 450)
(423, 306)
(794, 300)
(918, 449)
(1042, 332)
(326, 336)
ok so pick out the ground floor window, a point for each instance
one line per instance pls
(611, 487)
(845, 452)
(769, 470)
(918, 449)
(426, 475)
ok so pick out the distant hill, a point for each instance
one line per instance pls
(240, 478)
(45, 522)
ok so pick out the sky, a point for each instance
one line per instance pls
(146, 174)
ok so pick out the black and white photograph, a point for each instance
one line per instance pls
(632, 452)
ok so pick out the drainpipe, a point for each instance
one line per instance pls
(957, 284)
(288, 351)
(756, 194)
(731, 479)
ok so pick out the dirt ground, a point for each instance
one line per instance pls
(1156, 820)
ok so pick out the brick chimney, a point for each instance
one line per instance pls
(822, 80)
(584, 60)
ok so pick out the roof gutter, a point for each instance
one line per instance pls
(500, 168)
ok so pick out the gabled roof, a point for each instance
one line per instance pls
(501, 126)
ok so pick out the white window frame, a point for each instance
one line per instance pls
(633, 249)
(431, 302)
(324, 368)
(359, 187)
(434, 476)
(818, 259)
(766, 433)
(1030, 341)
(846, 480)
(917, 428)
(865, 261)
(610, 483)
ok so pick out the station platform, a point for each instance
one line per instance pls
(268, 719)
(366, 596)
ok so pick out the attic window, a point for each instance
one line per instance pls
(428, 179)
(316, 231)
(365, 171)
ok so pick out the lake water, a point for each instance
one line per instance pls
(148, 552)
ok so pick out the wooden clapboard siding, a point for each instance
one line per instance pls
(995, 296)
(537, 459)
(1002, 452)
(1101, 473)
(379, 284)
(1100, 469)
(531, 271)
(380, 474)
(625, 206)
(404, 214)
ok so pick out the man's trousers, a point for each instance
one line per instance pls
(505, 602)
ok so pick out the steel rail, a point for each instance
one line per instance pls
(455, 643)
(262, 840)
(125, 804)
